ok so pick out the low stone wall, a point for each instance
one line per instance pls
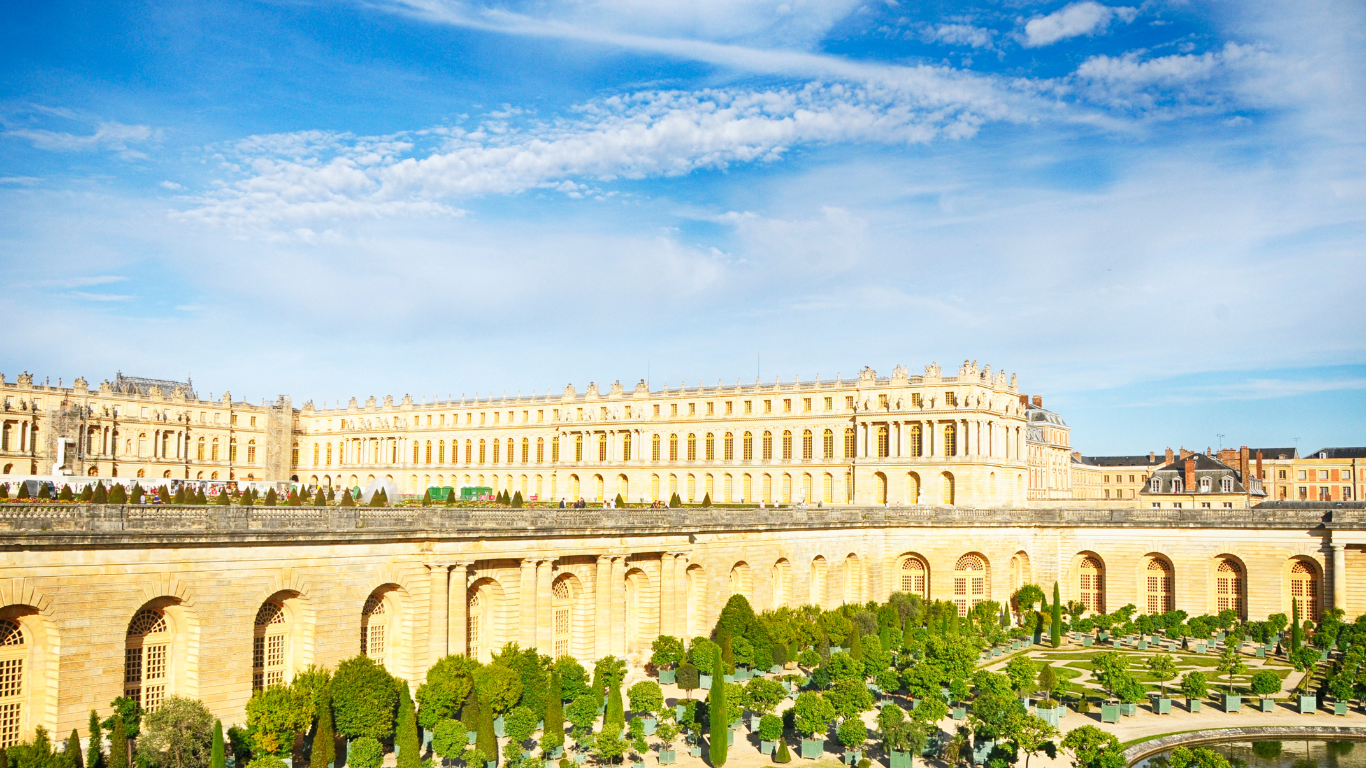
(1261, 733)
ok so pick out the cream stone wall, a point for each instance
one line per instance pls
(74, 576)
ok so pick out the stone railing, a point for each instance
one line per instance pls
(20, 522)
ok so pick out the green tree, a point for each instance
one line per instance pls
(1163, 668)
(720, 725)
(782, 756)
(849, 697)
(427, 497)
(448, 739)
(582, 712)
(347, 501)
(319, 498)
(1194, 685)
(1296, 632)
(274, 716)
(217, 758)
(1033, 735)
(406, 739)
(178, 735)
(67, 495)
(500, 688)
(1048, 681)
(118, 745)
(364, 699)
(553, 734)
(609, 746)
(71, 753)
(1093, 748)
(1022, 673)
(1196, 757)
(1266, 683)
(365, 752)
(764, 695)
(486, 741)
(688, 677)
(272, 498)
(324, 739)
(852, 733)
(118, 494)
(646, 698)
(667, 652)
(1231, 664)
(812, 714)
(447, 686)
(1055, 625)
(94, 755)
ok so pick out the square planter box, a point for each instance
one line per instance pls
(776, 669)
(959, 713)
(1014, 645)
(637, 764)
(1088, 641)
(1261, 652)
(580, 757)
(667, 757)
(498, 723)
(738, 724)
(1104, 636)
(767, 747)
(1142, 645)
(1340, 708)
(899, 760)
(754, 723)
(650, 725)
(741, 674)
(1309, 705)
(555, 754)
(471, 737)
(997, 651)
(1049, 716)
(1109, 713)
(695, 751)
(812, 749)
(852, 758)
(1323, 655)
(668, 676)
(728, 678)
(1233, 703)
(1194, 705)
(704, 681)
(678, 710)
(1201, 647)
(1268, 705)
(1128, 709)
(1162, 706)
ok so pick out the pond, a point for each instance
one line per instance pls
(1304, 753)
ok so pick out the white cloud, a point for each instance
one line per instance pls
(98, 296)
(22, 181)
(958, 34)
(1083, 18)
(293, 179)
(107, 136)
(1131, 81)
(171, 185)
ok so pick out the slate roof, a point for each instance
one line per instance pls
(1205, 466)
(1338, 453)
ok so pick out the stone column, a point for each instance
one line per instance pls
(526, 599)
(545, 624)
(617, 580)
(438, 608)
(1340, 576)
(458, 620)
(602, 617)
(927, 439)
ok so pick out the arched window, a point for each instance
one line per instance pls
(850, 442)
(747, 446)
(853, 579)
(950, 440)
(828, 444)
(498, 449)
(526, 450)
(374, 625)
(768, 446)
(1161, 587)
(427, 455)
(828, 489)
(969, 582)
(1226, 484)
(481, 451)
(1229, 585)
(512, 452)
(782, 582)
(913, 574)
(787, 445)
(818, 576)
(654, 448)
(912, 488)
(807, 489)
(317, 452)
(147, 659)
(739, 581)
(747, 488)
(916, 446)
(711, 447)
(654, 486)
(625, 446)
(474, 615)
(729, 446)
(268, 647)
(1204, 484)
(328, 452)
(692, 447)
(673, 447)
(947, 481)
(1091, 584)
(13, 656)
(1304, 589)
(787, 488)
(578, 448)
(768, 488)
(691, 488)
(562, 605)
(540, 448)
(884, 443)
(728, 488)
(806, 444)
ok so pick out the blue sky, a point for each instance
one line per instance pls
(1154, 212)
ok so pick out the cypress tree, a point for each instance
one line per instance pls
(87, 493)
(727, 652)
(706, 499)
(675, 501)
(164, 494)
(319, 500)
(517, 500)
(72, 753)
(4, 494)
(136, 496)
(383, 498)
(272, 498)
(224, 497)
(553, 734)
(217, 758)
(292, 498)
(23, 490)
(99, 495)
(487, 741)
(856, 643)
(324, 740)
(118, 745)
(1055, 626)
(783, 755)
(450, 498)
(94, 756)
(43, 493)
(618, 501)
(331, 494)
(66, 495)
(427, 498)
(716, 710)
(347, 501)
(200, 498)
(406, 738)
(376, 500)
(1296, 631)
(469, 714)
(180, 495)
(616, 708)
(118, 495)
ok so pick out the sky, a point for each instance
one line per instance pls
(1154, 213)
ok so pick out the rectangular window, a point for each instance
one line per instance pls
(673, 409)
(656, 410)
(692, 409)
(849, 402)
(540, 415)
(806, 405)
(882, 402)
(749, 406)
(730, 407)
(950, 398)
(1323, 474)
(1303, 475)
(829, 403)
(711, 409)
(787, 405)
(768, 406)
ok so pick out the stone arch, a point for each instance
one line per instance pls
(820, 584)
(484, 631)
(1088, 580)
(782, 582)
(1157, 583)
(157, 660)
(913, 575)
(567, 608)
(1228, 585)
(741, 580)
(30, 652)
(1021, 570)
(971, 581)
(853, 579)
(879, 488)
(641, 621)
(912, 488)
(695, 578)
(948, 491)
(395, 622)
(1302, 577)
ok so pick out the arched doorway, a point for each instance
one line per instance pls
(1090, 583)
(1230, 587)
(782, 582)
(914, 575)
(1304, 588)
(970, 582)
(818, 581)
(269, 646)
(1159, 585)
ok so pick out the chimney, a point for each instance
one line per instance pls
(1243, 455)
(1259, 463)
(1184, 452)
(1151, 457)
(1190, 474)
(1169, 456)
(1024, 400)
(1038, 401)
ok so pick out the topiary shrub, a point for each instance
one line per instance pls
(364, 699)
(365, 752)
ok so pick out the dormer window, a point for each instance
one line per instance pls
(1157, 485)
(1204, 485)
(1226, 485)
(1176, 485)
